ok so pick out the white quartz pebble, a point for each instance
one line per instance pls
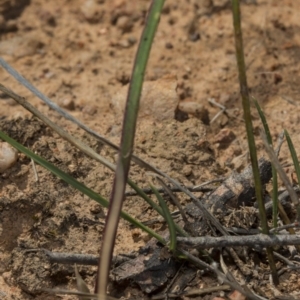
(8, 156)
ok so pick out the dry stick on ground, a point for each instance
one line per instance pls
(238, 241)
(222, 107)
(283, 227)
(80, 259)
(191, 242)
(289, 263)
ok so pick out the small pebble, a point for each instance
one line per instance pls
(90, 110)
(67, 103)
(8, 156)
(187, 170)
(196, 109)
(169, 46)
(194, 37)
(277, 78)
(96, 209)
(124, 23)
(131, 40)
(224, 137)
(124, 44)
(91, 11)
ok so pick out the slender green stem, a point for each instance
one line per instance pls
(168, 218)
(127, 141)
(249, 129)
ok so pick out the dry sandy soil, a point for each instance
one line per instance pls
(80, 54)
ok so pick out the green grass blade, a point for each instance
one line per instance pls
(126, 147)
(249, 128)
(76, 184)
(274, 172)
(168, 218)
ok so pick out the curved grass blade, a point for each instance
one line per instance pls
(76, 184)
(168, 218)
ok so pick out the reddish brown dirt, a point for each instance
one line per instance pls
(80, 54)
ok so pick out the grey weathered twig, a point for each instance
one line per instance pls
(76, 258)
(238, 241)
(283, 227)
